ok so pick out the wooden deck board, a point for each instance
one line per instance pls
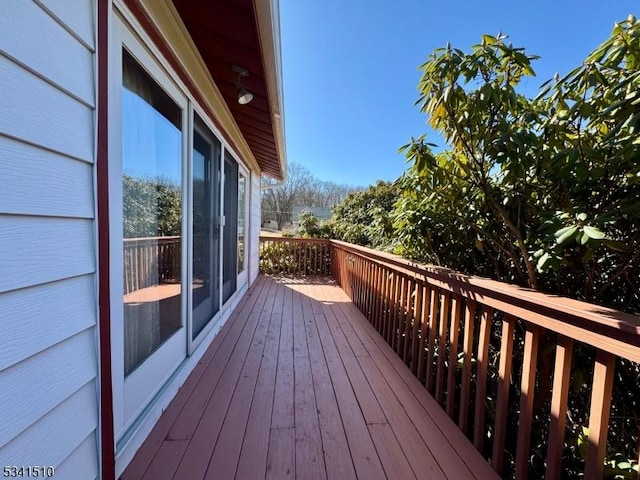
(227, 336)
(283, 402)
(338, 461)
(195, 461)
(443, 437)
(253, 457)
(298, 384)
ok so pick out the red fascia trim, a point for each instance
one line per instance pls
(107, 435)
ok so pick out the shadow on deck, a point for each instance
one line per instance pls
(298, 384)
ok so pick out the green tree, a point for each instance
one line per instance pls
(152, 207)
(364, 217)
(543, 192)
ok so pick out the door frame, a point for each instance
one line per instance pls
(193, 343)
(243, 276)
(133, 394)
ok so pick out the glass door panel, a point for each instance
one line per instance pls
(230, 240)
(154, 333)
(205, 284)
(152, 214)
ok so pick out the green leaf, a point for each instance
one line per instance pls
(565, 234)
(584, 239)
(593, 232)
(542, 261)
(582, 441)
(615, 245)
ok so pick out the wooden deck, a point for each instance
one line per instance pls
(298, 384)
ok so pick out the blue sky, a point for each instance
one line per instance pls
(351, 68)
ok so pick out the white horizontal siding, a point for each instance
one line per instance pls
(48, 311)
(34, 387)
(82, 463)
(256, 224)
(39, 113)
(51, 185)
(76, 16)
(35, 318)
(40, 49)
(37, 250)
(56, 435)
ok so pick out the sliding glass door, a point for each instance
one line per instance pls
(152, 200)
(178, 241)
(205, 284)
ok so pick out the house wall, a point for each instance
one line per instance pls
(254, 249)
(48, 354)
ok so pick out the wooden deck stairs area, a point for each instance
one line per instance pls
(381, 370)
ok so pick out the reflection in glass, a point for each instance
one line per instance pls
(205, 285)
(152, 213)
(242, 185)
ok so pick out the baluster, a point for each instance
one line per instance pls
(599, 415)
(399, 321)
(502, 403)
(416, 335)
(358, 284)
(454, 332)
(561, 377)
(393, 311)
(467, 349)
(409, 320)
(377, 295)
(433, 325)
(481, 382)
(442, 345)
(424, 330)
(391, 278)
(527, 387)
(370, 291)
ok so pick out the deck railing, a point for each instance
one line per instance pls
(149, 261)
(448, 327)
(299, 257)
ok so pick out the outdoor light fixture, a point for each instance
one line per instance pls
(244, 95)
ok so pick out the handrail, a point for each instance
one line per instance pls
(443, 324)
(149, 261)
(592, 324)
(295, 256)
